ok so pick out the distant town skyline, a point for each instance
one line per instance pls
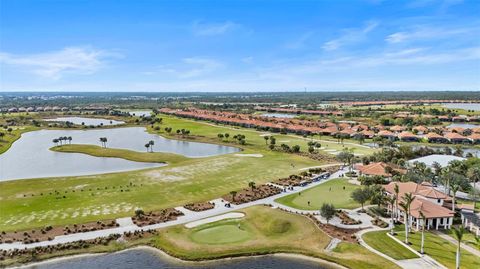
(248, 46)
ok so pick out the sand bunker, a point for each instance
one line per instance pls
(233, 215)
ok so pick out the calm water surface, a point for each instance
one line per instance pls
(145, 259)
(279, 115)
(463, 125)
(467, 106)
(30, 157)
(87, 121)
(140, 113)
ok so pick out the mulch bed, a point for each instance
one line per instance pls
(154, 217)
(30, 254)
(202, 206)
(293, 180)
(346, 220)
(49, 232)
(249, 194)
(343, 234)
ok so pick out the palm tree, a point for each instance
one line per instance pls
(251, 184)
(391, 200)
(473, 175)
(396, 189)
(147, 146)
(454, 186)
(458, 232)
(266, 139)
(405, 205)
(151, 142)
(233, 193)
(69, 140)
(422, 216)
(55, 141)
(408, 197)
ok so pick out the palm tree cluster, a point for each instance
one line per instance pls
(225, 135)
(168, 129)
(62, 139)
(183, 132)
(272, 139)
(149, 145)
(240, 139)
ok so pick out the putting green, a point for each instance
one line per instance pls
(336, 191)
(221, 232)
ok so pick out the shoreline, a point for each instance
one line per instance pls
(170, 258)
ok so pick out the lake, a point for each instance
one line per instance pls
(278, 115)
(466, 106)
(87, 121)
(30, 157)
(149, 259)
(140, 113)
(463, 125)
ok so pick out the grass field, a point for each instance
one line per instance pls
(380, 241)
(7, 140)
(441, 250)
(329, 192)
(34, 203)
(262, 231)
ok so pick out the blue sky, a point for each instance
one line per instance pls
(276, 45)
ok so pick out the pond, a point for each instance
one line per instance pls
(147, 259)
(30, 157)
(463, 125)
(466, 106)
(140, 113)
(278, 115)
(87, 121)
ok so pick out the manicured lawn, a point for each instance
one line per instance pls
(441, 250)
(336, 191)
(97, 151)
(263, 230)
(380, 241)
(468, 238)
(222, 232)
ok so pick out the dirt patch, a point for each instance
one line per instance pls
(49, 232)
(202, 206)
(155, 217)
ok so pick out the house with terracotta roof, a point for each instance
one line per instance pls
(397, 128)
(420, 130)
(456, 138)
(436, 138)
(427, 200)
(408, 137)
(379, 169)
(475, 138)
(387, 134)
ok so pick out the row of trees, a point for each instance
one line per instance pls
(60, 140)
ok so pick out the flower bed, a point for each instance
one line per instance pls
(346, 220)
(197, 207)
(49, 232)
(252, 194)
(150, 218)
(343, 234)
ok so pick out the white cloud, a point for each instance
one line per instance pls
(420, 33)
(53, 65)
(213, 29)
(350, 36)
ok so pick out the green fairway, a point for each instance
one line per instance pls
(380, 241)
(441, 250)
(263, 230)
(335, 191)
(230, 231)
